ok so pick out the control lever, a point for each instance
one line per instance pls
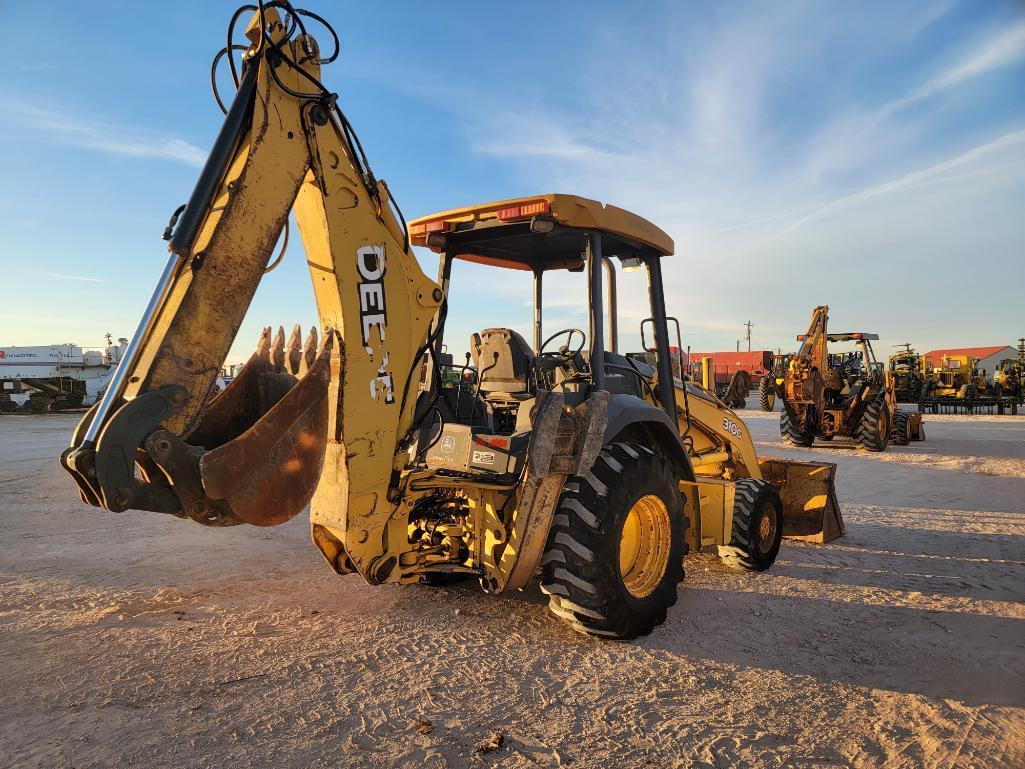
(483, 373)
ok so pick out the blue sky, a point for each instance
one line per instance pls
(870, 156)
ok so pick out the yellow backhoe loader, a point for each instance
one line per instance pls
(561, 457)
(846, 394)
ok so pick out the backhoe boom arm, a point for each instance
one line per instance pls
(339, 416)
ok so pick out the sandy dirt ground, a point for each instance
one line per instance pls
(138, 640)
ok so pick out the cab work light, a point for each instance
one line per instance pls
(439, 225)
(524, 210)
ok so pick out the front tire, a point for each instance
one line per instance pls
(790, 432)
(615, 552)
(757, 526)
(873, 431)
(900, 435)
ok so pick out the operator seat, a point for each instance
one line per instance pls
(511, 372)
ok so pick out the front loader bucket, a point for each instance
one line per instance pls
(810, 510)
(916, 430)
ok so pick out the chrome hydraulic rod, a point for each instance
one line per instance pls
(117, 383)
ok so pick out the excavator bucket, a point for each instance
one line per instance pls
(254, 456)
(265, 433)
(811, 512)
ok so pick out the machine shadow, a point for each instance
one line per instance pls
(939, 585)
(937, 543)
(822, 637)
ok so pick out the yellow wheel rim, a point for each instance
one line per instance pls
(771, 400)
(883, 427)
(644, 546)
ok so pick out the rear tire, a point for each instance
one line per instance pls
(900, 435)
(737, 391)
(600, 580)
(790, 432)
(873, 431)
(757, 526)
(766, 393)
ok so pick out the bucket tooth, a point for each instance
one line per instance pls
(309, 352)
(263, 346)
(277, 353)
(294, 350)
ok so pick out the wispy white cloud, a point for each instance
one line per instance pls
(82, 278)
(916, 178)
(996, 51)
(690, 136)
(102, 136)
(862, 129)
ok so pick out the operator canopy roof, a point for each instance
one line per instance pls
(542, 232)
(850, 336)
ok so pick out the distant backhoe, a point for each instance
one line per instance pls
(848, 394)
(559, 456)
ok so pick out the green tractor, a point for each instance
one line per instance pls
(771, 383)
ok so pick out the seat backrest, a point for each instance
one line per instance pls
(511, 372)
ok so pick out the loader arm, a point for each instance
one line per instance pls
(803, 383)
(336, 419)
(722, 450)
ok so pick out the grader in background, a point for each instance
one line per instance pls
(957, 376)
(828, 394)
(909, 372)
(957, 386)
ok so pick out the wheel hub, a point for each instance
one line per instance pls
(766, 529)
(644, 546)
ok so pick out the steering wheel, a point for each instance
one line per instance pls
(564, 357)
(564, 351)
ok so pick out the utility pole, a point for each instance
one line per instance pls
(749, 324)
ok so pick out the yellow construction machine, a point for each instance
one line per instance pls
(560, 457)
(1007, 379)
(957, 376)
(828, 394)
